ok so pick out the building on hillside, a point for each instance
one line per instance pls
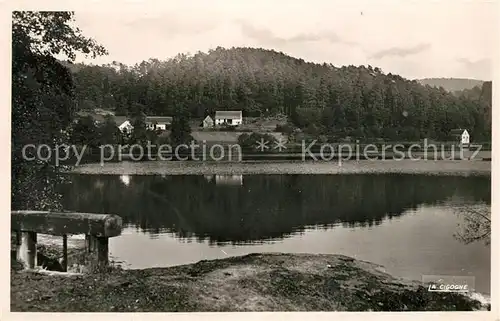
(208, 122)
(124, 124)
(461, 135)
(120, 120)
(125, 127)
(158, 122)
(228, 117)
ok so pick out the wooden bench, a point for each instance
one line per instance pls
(98, 228)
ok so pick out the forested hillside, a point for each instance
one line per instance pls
(452, 84)
(361, 102)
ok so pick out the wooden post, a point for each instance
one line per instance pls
(99, 249)
(88, 243)
(102, 251)
(65, 253)
(26, 251)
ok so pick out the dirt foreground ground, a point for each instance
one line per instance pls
(255, 282)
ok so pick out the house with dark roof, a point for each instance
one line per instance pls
(124, 123)
(228, 117)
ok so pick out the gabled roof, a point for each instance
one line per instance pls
(120, 119)
(208, 117)
(228, 114)
(123, 122)
(159, 119)
(458, 131)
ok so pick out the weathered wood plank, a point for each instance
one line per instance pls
(88, 243)
(102, 251)
(26, 250)
(99, 253)
(56, 223)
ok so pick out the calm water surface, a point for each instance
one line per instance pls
(404, 222)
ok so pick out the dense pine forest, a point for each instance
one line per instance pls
(354, 101)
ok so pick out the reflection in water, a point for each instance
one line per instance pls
(404, 222)
(419, 242)
(265, 206)
(99, 184)
(229, 179)
(475, 225)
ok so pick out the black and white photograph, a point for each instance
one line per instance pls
(253, 156)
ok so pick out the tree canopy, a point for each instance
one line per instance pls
(353, 101)
(43, 101)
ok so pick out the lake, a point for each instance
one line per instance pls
(404, 222)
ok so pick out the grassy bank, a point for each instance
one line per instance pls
(290, 167)
(255, 282)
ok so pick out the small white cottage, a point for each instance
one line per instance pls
(158, 122)
(208, 122)
(126, 127)
(462, 135)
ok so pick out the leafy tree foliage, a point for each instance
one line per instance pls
(42, 101)
(251, 141)
(181, 129)
(139, 133)
(84, 132)
(476, 224)
(109, 133)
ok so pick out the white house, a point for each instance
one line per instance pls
(462, 135)
(229, 117)
(126, 127)
(465, 137)
(208, 122)
(158, 122)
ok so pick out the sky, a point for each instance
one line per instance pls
(415, 39)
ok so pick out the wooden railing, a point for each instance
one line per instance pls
(98, 228)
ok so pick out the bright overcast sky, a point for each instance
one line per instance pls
(416, 39)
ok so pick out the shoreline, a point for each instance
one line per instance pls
(253, 282)
(428, 167)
